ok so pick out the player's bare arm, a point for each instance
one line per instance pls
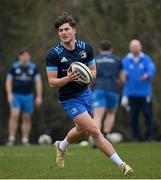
(60, 82)
(9, 90)
(123, 77)
(38, 88)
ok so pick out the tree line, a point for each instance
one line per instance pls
(30, 24)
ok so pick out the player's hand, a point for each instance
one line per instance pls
(144, 77)
(10, 98)
(93, 72)
(38, 101)
(72, 76)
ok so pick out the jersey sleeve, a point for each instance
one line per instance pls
(120, 65)
(150, 67)
(52, 61)
(10, 73)
(124, 65)
(90, 56)
(36, 73)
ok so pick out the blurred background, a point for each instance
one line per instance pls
(30, 24)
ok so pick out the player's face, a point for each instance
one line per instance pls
(66, 33)
(25, 57)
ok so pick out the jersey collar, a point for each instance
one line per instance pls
(135, 59)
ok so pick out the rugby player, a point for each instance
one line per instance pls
(76, 98)
(20, 82)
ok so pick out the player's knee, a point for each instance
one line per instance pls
(27, 120)
(26, 117)
(81, 133)
(94, 132)
(14, 117)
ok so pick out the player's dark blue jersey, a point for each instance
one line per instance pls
(59, 59)
(23, 77)
(108, 69)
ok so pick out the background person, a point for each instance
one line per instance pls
(106, 87)
(20, 82)
(138, 72)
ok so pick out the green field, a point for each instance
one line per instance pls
(81, 162)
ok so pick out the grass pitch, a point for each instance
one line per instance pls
(81, 162)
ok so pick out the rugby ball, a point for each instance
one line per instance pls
(84, 143)
(115, 137)
(44, 139)
(83, 70)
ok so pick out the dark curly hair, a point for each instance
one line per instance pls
(65, 18)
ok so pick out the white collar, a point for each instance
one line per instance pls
(135, 59)
(130, 55)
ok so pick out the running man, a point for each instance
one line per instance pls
(75, 98)
(21, 79)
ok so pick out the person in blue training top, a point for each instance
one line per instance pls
(106, 87)
(138, 72)
(20, 82)
(75, 98)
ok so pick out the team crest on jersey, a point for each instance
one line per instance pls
(131, 66)
(83, 54)
(64, 59)
(18, 71)
(30, 71)
(141, 66)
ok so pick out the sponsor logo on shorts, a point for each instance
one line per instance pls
(74, 110)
